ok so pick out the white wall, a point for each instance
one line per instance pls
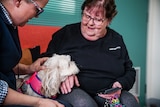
(153, 50)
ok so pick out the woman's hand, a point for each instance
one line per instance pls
(111, 95)
(68, 84)
(116, 84)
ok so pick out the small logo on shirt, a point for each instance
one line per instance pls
(113, 49)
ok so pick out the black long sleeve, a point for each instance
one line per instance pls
(101, 62)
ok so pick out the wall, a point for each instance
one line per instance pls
(153, 50)
(131, 21)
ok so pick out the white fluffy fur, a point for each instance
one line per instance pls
(58, 68)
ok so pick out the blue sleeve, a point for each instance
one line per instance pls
(3, 91)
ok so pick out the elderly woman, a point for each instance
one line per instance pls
(100, 54)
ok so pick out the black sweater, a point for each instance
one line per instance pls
(101, 62)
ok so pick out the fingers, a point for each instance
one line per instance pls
(42, 60)
(68, 84)
(66, 87)
(76, 81)
(109, 96)
(106, 96)
(63, 88)
(117, 84)
(38, 65)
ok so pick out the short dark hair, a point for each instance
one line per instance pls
(108, 5)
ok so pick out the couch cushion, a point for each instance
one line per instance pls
(36, 35)
(26, 57)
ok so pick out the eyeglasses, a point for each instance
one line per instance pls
(38, 8)
(96, 21)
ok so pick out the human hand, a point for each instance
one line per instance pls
(116, 84)
(48, 103)
(37, 65)
(68, 84)
(111, 95)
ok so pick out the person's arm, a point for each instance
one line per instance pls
(13, 97)
(16, 98)
(23, 69)
(128, 79)
(3, 91)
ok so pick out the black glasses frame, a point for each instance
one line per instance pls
(39, 9)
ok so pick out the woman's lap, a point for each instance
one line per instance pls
(66, 104)
(126, 99)
(79, 98)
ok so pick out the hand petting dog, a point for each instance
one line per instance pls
(46, 82)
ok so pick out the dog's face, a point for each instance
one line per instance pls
(57, 69)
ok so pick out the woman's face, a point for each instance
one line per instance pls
(93, 24)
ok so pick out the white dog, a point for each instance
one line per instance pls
(46, 83)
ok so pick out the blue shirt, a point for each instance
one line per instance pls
(10, 50)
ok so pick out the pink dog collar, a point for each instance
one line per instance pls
(35, 83)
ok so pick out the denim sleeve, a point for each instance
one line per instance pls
(3, 91)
